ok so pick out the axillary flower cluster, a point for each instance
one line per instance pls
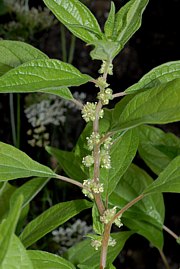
(89, 113)
(100, 143)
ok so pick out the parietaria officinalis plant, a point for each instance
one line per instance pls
(119, 192)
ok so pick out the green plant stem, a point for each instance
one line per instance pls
(163, 257)
(119, 94)
(18, 133)
(96, 154)
(12, 118)
(63, 43)
(70, 180)
(126, 207)
(104, 248)
(169, 231)
(71, 50)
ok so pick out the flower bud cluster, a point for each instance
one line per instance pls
(97, 243)
(105, 95)
(88, 160)
(109, 215)
(105, 154)
(93, 140)
(89, 112)
(103, 68)
(93, 187)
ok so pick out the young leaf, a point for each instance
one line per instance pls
(83, 254)
(43, 75)
(16, 257)
(158, 75)
(45, 260)
(14, 53)
(156, 106)
(16, 164)
(29, 190)
(122, 153)
(77, 18)
(128, 21)
(8, 226)
(147, 216)
(109, 24)
(75, 170)
(157, 148)
(104, 50)
(168, 180)
(51, 219)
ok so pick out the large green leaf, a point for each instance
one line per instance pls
(147, 216)
(30, 189)
(16, 257)
(157, 148)
(168, 180)
(51, 219)
(122, 153)
(156, 106)
(109, 24)
(127, 21)
(82, 254)
(16, 164)
(14, 53)
(43, 75)
(6, 191)
(76, 17)
(158, 75)
(70, 163)
(45, 260)
(8, 226)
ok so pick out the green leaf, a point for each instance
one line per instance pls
(30, 189)
(8, 226)
(70, 163)
(122, 153)
(6, 191)
(104, 50)
(77, 18)
(51, 219)
(157, 148)
(82, 254)
(45, 260)
(128, 21)
(17, 257)
(16, 164)
(109, 24)
(98, 226)
(43, 75)
(158, 75)
(156, 106)
(14, 53)
(168, 180)
(145, 217)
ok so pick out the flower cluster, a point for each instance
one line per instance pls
(93, 140)
(105, 95)
(89, 112)
(97, 242)
(109, 215)
(90, 187)
(105, 65)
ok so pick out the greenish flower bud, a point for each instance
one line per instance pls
(93, 140)
(89, 112)
(105, 159)
(88, 160)
(108, 215)
(111, 242)
(95, 243)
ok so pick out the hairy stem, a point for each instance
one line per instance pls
(104, 248)
(175, 236)
(119, 94)
(126, 207)
(70, 180)
(163, 257)
(63, 43)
